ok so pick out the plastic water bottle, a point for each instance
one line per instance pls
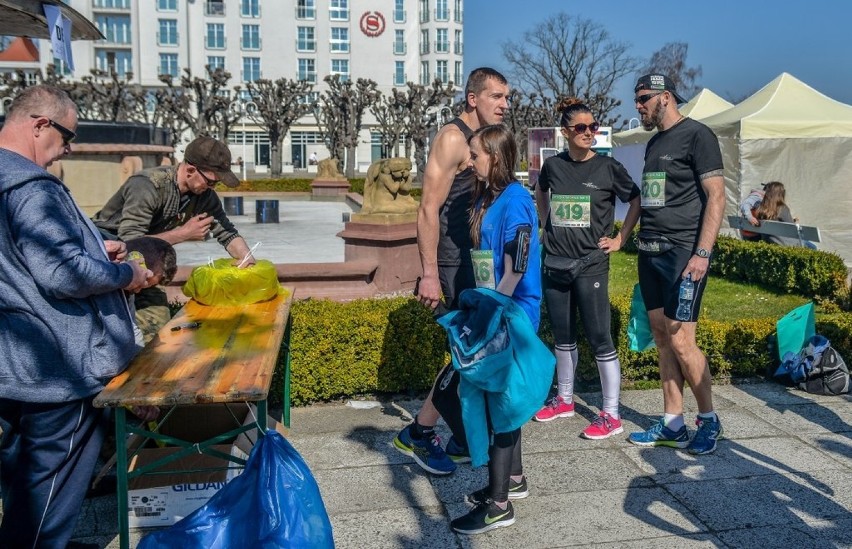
(685, 296)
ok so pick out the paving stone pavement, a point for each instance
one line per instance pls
(781, 478)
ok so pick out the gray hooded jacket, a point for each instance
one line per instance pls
(65, 328)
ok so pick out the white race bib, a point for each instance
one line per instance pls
(571, 210)
(653, 189)
(483, 268)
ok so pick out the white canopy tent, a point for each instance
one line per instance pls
(789, 132)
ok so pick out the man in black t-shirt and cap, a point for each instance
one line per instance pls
(683, 200)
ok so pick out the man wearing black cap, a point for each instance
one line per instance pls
(683, 199)
(176, 204)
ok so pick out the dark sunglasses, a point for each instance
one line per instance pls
(210, 182)
(67, 135)
(642, 99)
(581, 128)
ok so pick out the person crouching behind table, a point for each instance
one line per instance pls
(502, 217)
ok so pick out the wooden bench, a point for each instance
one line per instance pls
(777, 228)
(229, 357)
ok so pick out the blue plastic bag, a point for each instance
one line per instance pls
(639, 334)
(275, 502)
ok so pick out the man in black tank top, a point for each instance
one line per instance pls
(443, 240)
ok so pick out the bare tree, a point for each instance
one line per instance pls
(391, 112)
(109, 97)
(422, 102)
(529, 110)
(201, 103)
(279, 104)
(671, 61)
(340, 113)
(571, 56)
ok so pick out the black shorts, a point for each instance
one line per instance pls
(660, 278)
(454, 280)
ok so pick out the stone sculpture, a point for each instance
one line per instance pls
(387, 189)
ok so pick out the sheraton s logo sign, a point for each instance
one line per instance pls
(372, 23)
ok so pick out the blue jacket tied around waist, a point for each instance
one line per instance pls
(503, 365)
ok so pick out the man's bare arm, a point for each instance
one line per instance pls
(714, 187)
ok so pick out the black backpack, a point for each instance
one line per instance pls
(817, 369)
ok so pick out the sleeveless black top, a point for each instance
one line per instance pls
(454, 241)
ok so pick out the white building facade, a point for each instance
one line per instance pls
(388, 41)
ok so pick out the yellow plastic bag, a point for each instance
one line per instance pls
(224, 284)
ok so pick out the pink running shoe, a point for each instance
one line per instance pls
(555, 408)
(604, 426)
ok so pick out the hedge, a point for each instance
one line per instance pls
(296, 185)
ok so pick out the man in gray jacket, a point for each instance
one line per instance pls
(65, 328)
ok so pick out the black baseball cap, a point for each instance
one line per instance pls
(211, 154)
(658, 82)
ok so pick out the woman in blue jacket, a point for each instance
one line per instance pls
(504, 230)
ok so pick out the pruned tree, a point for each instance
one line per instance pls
(109, 97)
(279, 104)
(11, 84)
(529, 110)
(571, 56)
(391, 112)
(671, 61)
(340, 113)
(202, 104)
(168, 103)
(422, 103)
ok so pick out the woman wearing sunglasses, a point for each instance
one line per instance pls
(575, 196)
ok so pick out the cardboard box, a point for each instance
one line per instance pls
(160, 500)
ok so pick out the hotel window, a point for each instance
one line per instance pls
(339, 39)
(442, 41)
(425, 77)
(338, 10)
(307, 70)
(399, 42)
(251, 37)
(251, 69)
(215, 36)
(168, 35)
(169, 64)
(306, 9)
(215, 62)
(442, 73)
(399, 74)
(458, 46)
(118, 61)
(305, 39)
(458, 13)
(120, 4)
(399, 11)
(459, 77)
(250, 8)
(442, 11)
(341, 67)
(424, 11)
(116, 28)
(424, 41)
(166, 5)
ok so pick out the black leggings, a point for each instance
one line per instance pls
(504, 460)
(589, 293)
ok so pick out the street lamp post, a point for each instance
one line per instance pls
(242, 107)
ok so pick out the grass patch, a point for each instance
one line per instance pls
(723, 300)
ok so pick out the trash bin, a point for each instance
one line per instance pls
(233, 205)
(266, 211)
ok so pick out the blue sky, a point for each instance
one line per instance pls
(740, 45)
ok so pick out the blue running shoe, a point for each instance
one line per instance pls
(427, 453)
(457, 452)
(660, 435)
(704, 441)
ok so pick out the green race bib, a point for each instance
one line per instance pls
(483, 268)
(571, 210)
(653, 189)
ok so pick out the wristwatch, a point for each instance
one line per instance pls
(701, 252)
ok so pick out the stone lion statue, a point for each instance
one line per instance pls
(328, 168)
(387, 189)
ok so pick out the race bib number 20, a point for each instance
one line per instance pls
(483, 268)
(653, 189)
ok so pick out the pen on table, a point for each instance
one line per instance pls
(186, 326)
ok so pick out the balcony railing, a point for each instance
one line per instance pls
(306, 45)
(397, 81)
(458, 48)
(308, 77)
(400, 48)
(458, 16)
(214, 8)
(442, 15)
(424, 16)
(442, 47)
(399, 16)
(218, 43)
(424, 47)
(167, 39)
(306, 12)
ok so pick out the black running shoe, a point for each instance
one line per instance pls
(484, 517)
(517, 490)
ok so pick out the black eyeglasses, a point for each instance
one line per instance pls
(210, 182)
(67, 135)
(581, 128)
(642, 99)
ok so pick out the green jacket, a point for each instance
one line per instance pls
(149, 203)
